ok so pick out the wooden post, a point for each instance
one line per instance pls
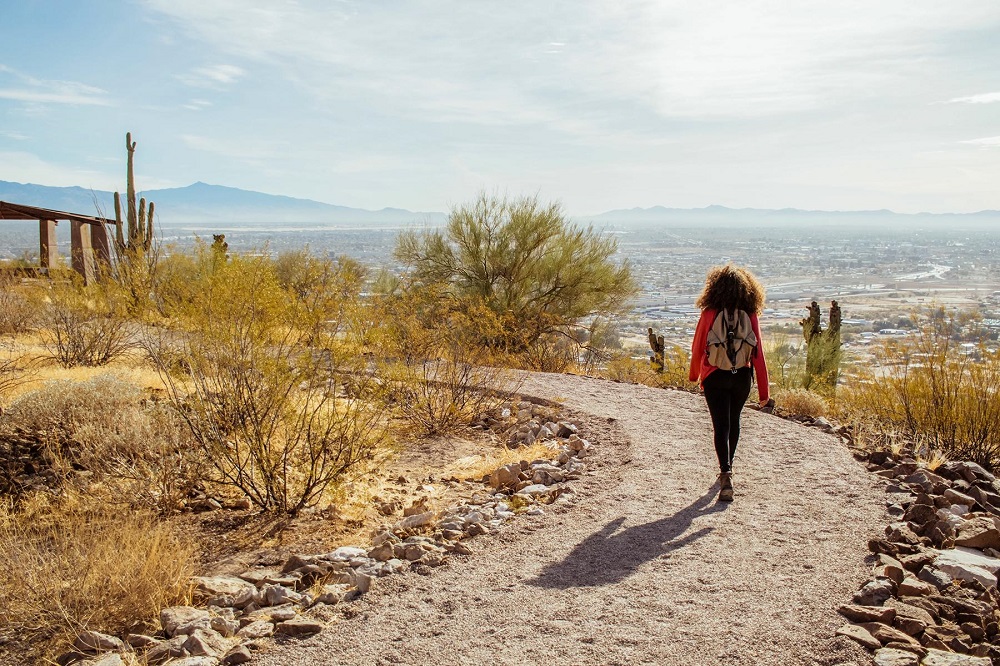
(101, 242)
(48, 250)
(82, 251)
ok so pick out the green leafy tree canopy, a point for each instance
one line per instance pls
(524, 261)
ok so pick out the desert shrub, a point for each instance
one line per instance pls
(785, 361)
(676, 364)
(822, 366)
(14, 372)
(324, 287)
(177, 277)
(71, 564)
(801, 402)
(272, 417)
(137, 448)
(86, 326)
(932, 394)
(537, 273)
(18, 311)
(433, 372)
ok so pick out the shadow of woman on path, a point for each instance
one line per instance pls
(609, 556)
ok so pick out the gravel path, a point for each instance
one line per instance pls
(643, 567)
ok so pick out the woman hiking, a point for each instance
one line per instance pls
(725, 354)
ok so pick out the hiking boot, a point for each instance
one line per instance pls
(726, 487)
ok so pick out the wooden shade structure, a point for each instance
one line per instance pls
(89, 240)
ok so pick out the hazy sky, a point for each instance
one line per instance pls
(599, 104)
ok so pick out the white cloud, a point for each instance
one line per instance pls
(32, 90)
(480, 64)
(988, 141)
(24, 167)
(16, 136)
(985, 98)
(197, 104)
(212, 76)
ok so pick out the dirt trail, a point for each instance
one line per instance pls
(644, 567)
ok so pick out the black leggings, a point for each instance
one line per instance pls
(725, 393)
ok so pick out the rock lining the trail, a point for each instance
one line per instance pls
(933, 598)
(296, 599)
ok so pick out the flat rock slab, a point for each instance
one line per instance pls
(893, 657)
(967, 556)
(640, 565)
(939, 658)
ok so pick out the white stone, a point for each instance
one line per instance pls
(177, 616)
(347, 553)
(941, 658)
(413, 522)
(258, 629)
(891, 657)
(967, 572)
(967, 556)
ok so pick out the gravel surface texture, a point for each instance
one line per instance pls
(643, 566)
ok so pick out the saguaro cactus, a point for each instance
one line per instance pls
(656, 344)
(137, 236)
(822, 348)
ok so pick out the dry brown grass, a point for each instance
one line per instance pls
(676, 360)
(474, 467)
(801, 402)
(106, 425)
(74, 563)
(931, 395)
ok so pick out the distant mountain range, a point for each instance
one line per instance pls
(215, 204)
(723, 216)
(203, 203)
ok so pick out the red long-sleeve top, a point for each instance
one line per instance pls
(699, 359)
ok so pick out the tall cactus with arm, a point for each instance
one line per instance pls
(139, 220)
(135, 252)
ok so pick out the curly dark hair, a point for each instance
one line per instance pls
(728, 287)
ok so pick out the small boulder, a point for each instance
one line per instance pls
(95, 641)
(913, 587)
(979, 532)
(206, 644)
(941, 658)
(867, 613)
(893, 657)
(860, 635)
(300, 626)
(874, 593)
(238, 655)
(258, 629)
(506, 476)
(177, 616)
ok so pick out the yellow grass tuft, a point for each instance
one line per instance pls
(801, 402)
(474, 467)
(72, 564)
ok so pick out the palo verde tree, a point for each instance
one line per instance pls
(540, 275)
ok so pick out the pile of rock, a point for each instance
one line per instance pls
(933, 598)
(236, 612)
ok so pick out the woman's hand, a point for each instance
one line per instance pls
(767, 405)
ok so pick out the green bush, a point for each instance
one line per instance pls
(538, 274)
